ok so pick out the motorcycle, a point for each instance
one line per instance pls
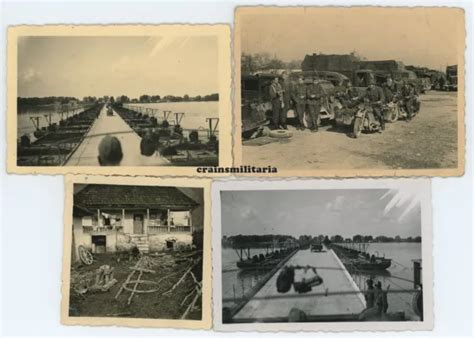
(391, 111)
(365, 119)
(403, 109)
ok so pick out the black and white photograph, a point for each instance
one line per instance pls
(136, 252)
(350, 91)
(317, 254)
(119, 97)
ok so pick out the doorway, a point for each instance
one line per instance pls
(99, 244)
(138, 223)
(169, 245)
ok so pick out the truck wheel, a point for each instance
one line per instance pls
(357, 130)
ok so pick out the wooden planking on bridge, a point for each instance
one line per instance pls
(335, 279)
(87, 152)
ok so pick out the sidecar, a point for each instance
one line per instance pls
(344, 117)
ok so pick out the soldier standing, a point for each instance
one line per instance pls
(298, 94)
(314, 94)
(376, 99)
(276, 96)
(287, 89)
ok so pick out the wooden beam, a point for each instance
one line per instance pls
(145, 231)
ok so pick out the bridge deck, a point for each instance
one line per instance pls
(335, 279)
(87, 152)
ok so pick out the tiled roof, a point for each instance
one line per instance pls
(132, 196)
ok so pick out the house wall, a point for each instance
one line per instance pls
(85, 238)
(158, 242)
(122, 241)
(80, 237)
(197, 214)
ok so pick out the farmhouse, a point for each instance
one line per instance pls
(110, 218)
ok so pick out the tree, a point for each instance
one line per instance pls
(186, 97)
(357, 238)
(155, 98)
(368, 238)
(326, 240)
(144, 98)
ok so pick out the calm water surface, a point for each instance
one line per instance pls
(194, 117)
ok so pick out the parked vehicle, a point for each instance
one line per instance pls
(337, 79)
(451, 78)
(365, 120)
(255, 102)
(316, 246)
(256, 108)
(402, 110)
(361, 118)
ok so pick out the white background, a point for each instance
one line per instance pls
(31, 207)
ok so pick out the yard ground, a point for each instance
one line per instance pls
(429, 141)
(147, 305)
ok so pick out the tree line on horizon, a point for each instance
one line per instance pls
(250, 63)
(145, 98)
(242, 240)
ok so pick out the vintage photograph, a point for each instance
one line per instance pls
(136, 253)
(317, 254)
(85, 97)
(353, 91)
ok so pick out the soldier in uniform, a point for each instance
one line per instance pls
(389, 90)
(276, 96)
(350, 97)
(410, 97)
(314, 94)
(376, 99)
(298, 95)
(287, 88)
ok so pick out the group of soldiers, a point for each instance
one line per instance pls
(301, 95)
(376, 300)
(310, 97)
(379, 96)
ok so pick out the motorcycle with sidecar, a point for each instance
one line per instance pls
(359, 118)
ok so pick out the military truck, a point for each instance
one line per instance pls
(451, 83)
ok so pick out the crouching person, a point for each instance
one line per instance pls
(302, 278)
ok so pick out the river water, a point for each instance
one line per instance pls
(399, 276)
(24, 117)
(194, 118)
(195, 113)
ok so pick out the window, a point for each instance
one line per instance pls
(87, 221)
(180, 217)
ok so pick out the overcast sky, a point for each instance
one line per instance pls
(423, 37)
(314, 212)
(132, 66)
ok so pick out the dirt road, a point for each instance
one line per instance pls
(428, 141)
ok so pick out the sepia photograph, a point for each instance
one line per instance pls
(350, 91)
(136, 253)
(315, 254)
(147, 97)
